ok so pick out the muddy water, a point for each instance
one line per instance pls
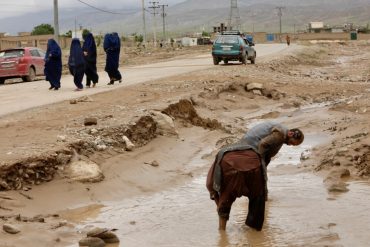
(299, 212)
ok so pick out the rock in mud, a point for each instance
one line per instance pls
(91, 242)
(254, 86)
(90, 121)
(105, 234)
(85, 171)
(10, 229)
(165, 124)
(129, 145)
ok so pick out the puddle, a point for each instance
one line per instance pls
(299, 212)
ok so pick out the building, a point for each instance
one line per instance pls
(188, 41)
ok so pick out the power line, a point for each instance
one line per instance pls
(101, 10)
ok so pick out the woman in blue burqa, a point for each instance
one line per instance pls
(53, 64)
(76, 63)
(89, 50)
(112, 47)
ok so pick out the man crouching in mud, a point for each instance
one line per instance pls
(240, 170)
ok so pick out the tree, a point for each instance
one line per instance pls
(205, 34)
(42, 29)
(139, 38)
(68, 34)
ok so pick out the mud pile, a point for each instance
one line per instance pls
(185, 111)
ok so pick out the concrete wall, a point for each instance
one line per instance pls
(262, 38)
(329, 36)
(36, 41)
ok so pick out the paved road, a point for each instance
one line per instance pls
(22, 96)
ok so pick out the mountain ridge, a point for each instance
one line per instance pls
(191, 16)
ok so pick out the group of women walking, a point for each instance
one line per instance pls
(82, 61)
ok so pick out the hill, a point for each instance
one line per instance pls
(196, 16)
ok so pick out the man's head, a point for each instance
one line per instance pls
(294, 137)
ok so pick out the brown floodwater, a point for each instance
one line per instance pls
(300, 212)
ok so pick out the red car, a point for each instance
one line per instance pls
(26, 63)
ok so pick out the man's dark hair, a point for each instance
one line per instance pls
(297, 134)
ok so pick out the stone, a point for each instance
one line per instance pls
(253, 86)
(111, 240)
(129, 145)
(84, 171)
(165, 124)
(91, 242)
(90, 121)
(10, 229)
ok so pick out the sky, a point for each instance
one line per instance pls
(10, 8)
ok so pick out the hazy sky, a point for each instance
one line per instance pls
(18, 7)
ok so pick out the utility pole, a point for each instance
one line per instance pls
(75, 36)
(144, 24)
(56, 22)
(280, 14)
(234, 17)
(154, 8)
(163, 14)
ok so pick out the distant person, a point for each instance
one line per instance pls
(76, 63)
(287, 38)
(53, 64)
(112, 48)
(89, 51)
(240, 169)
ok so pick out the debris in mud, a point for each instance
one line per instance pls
(81, 99)
(333, 181)
(154, 163)
(184, 110)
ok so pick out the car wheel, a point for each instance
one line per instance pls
(226, 61)
(215, 61)
(244, 59)
(2, 80)
(253, 59)
(31, 75)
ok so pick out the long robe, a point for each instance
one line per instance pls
(53, 64)
(242, 175)
(76, 63)
(112, 48)
(89, 47)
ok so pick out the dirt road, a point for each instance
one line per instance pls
(23, 96)
(155, 195)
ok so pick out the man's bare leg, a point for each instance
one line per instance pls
(222, 223)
